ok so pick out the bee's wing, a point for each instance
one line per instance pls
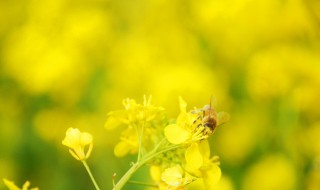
(213, 102)
(222, 117)
(196, 111)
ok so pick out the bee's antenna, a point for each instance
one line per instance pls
(210, 101)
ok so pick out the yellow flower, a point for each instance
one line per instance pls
(182, 131)
(128, 143)
(12, 186)
(142, 121)
(192, 132)
(133, 113)
(191, 126)
(198, 163)
(77, 142)
(174, 178)
(142, 112)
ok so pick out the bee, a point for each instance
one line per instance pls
(209, 118)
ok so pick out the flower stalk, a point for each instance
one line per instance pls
(126, 177)
(90, 174)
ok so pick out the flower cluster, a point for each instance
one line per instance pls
(143, 121)
(177, 152)
(191, 131)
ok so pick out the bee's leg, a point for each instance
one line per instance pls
(200, 128)
(208, 128)
(198, 118)
(197, 122)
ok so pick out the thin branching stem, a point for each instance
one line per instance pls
(139, 164)
(90, 174)
(142, 183)
(140, 135)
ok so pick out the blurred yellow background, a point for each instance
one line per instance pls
(67, 63)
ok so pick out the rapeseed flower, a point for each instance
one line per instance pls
(175, 178)
(193, 132)
(128, 143)
(190, 126)
(140, 120)
(77, 142)
(133, 113)
(178, 153)
(199, 163)
(171, 178)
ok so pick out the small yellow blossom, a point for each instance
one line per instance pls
(128, 143)
(175, 178)
(189, 128)
(140, 119)
(133, 113)
(77, 142)
(12, 186)
(199, 163)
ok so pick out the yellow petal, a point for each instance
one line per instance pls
(115, 118)
(204, 148)
(67, 143)
(85, 138)
(212, 176)
(176, 134)
(183, 119)
(73, 133)
(172, 176)
(155, 172)
(121, 149)
(111, 123)
(10, 185)
(26, 185)
(194, 158)
(129, 103)
(183, 105)
(72, 137)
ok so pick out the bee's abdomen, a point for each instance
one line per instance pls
(210, 122)
(209, 125)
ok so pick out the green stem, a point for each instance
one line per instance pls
(126, 176)
(142, 183)
(90, 174)
(139, 140)
(137, 165)
(140, 135)
(152, 155)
